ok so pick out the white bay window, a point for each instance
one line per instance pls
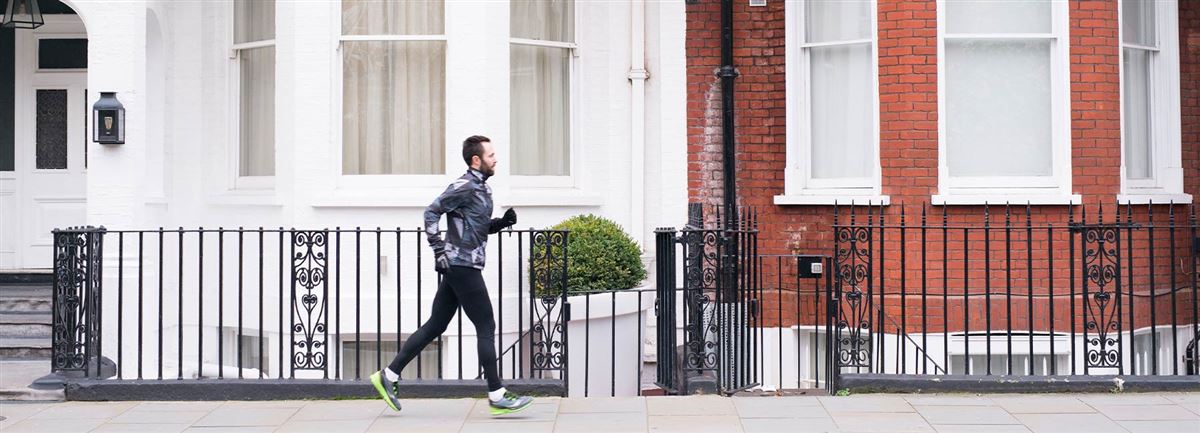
(393, 87)
(1150, 117)
(542, 53)
(832, 103)
(253, 54)
(1004, 129)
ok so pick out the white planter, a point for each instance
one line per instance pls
(604, 333)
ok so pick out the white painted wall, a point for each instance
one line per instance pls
(174, 170)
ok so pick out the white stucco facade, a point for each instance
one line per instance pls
(175, 168)
(169, 63)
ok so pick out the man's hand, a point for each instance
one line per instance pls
(441, 263)
(509, 218)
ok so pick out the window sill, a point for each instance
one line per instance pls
(1002, 199)
(832, 199)
(1154, 198)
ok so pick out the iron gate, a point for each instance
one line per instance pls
(716, 311)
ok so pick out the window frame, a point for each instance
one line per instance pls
(1053, 189)
(236, 179)
(394, 182)
(799, 186)
(1166, 181)
(553, 181)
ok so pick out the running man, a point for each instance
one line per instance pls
(467, 204)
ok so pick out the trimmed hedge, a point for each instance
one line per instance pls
(600, 257)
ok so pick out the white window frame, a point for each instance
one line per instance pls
(236, 180)
(529, 182)
(1054, 189)
(799, 186)
(1166, 181)
(399, 185)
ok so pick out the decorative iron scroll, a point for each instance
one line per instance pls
(853, 263)
(310, 268)
(548, 270)
(700, 283)
(1101, 256)
(76, 315)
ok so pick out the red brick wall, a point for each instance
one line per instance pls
(907, 45)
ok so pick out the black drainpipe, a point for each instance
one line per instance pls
(727, 74)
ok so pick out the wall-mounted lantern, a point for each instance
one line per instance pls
(108, 120)
(22, 14)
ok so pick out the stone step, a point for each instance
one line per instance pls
(25, 298)
(25, 324)
(24, 348)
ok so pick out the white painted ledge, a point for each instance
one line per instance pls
(1011, 199)
(1154, 198)
(832, 199)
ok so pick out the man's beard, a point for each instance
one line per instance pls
(487, 171)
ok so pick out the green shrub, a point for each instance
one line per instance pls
(600, 257)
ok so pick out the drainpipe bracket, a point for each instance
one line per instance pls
(728, 71)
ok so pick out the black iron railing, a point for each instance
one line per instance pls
(292, 304)
(1107, 290)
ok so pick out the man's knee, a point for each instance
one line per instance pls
(485, 327)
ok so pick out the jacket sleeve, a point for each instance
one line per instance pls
(454, 197)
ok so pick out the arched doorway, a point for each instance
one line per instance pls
(43, 156)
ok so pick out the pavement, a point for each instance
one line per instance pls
(1059, 413)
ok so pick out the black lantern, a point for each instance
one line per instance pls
(23, 14)
(108, 120)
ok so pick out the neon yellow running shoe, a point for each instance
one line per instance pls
(511, 403)
(386, 388)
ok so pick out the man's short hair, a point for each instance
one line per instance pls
(473, 146)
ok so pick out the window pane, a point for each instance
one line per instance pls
(546, 20)
(843, 112)
(837, 20)
(369, 353)
(998, 113)
(62, 53)
(1137, 22)
(540, 111)
(394, 107)
(375, 17)
(254, 20)
(998, 16)
(257, 112)
(1136, 112)
(51, 141)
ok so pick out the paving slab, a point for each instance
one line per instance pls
(865, 404)
(881, 422)
(706, 405)
(1161, 426)
(779, 407)
(611, 422)
(1042, 404)
(1068, 423)
(788, 425)
(966, 415)
(694, 424)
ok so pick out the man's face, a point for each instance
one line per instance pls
(487, 164)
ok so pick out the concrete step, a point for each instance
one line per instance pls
(25, 298)
(17, 377)
(24, 348)
(25, 324)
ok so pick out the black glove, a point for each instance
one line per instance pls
(510, 218)
(441, 263)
